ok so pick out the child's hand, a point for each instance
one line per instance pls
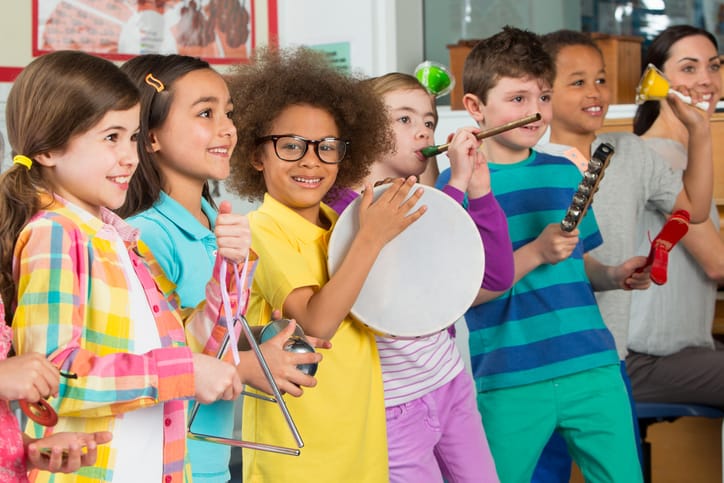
(386, 217)
(214, 380)
(29, 376)
(282, 364)
(64, 452)
(316, 342)
(233, 235)
(554, 244)
(468, 166)
(627, 276)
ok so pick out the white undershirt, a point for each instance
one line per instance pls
(138, 435)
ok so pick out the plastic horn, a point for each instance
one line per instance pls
(436, 78)
(654, 86)
(435, 150)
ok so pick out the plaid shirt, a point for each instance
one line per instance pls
(73, 305)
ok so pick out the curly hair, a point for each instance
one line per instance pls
(511, 53)
(279, 78)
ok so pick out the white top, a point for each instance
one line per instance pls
(678, 314)
(412, 368)
(138, 435)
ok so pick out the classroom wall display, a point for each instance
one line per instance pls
(220, 31)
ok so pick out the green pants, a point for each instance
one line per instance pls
(590, 409)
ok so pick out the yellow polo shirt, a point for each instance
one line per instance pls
(342, 419)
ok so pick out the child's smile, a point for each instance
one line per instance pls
(300, 184)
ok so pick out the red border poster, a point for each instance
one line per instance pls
(220, 31)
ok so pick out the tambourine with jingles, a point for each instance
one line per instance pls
(425, 278)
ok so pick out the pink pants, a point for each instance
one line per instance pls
(440, 435)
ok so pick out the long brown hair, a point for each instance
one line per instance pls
(56, 97)
(147, 182)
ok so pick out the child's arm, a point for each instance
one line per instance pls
(52, 265)
(698, 177)
(550, 247)
(321, 311)
(623, 276)
(705, 244)
(469, 173)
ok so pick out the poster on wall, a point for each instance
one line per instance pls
(220, 31)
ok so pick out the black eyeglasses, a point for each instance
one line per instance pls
(290, 147)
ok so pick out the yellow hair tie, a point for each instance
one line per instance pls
(22, 160)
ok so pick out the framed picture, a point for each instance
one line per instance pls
(220, 31)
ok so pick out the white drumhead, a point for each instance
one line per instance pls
(425, 278)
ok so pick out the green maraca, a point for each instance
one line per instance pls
(436, 78)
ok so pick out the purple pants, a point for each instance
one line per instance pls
(440, 435)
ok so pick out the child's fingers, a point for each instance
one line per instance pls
(224, 207)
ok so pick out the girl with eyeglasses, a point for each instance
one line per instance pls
(302, 126)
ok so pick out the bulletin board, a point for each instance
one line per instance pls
(220, 31)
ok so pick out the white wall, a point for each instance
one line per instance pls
(384, 35)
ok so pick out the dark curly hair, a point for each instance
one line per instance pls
(513, 53)
(279, 78)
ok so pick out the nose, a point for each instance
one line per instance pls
(227, 127)
(593, 91)
(130, 155)
(310, 158)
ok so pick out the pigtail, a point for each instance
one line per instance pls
(19, 202)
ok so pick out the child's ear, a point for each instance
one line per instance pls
(474, 106)
(47, 160)
(257, 164)
(154, 146)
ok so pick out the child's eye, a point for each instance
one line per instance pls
(113, 137)
(430, 124)
(205, 113)
(577, 83)
(134, 137)
(404, 119)
(229, 114)
(518, 99)
(601, 81)
(545, 98)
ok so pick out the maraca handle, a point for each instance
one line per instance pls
(703, 105)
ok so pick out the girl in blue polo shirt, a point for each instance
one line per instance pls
(186, 137)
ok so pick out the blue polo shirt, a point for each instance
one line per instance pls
(186, 251)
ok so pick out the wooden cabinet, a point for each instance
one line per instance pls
(622, 57)
(621, 54)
